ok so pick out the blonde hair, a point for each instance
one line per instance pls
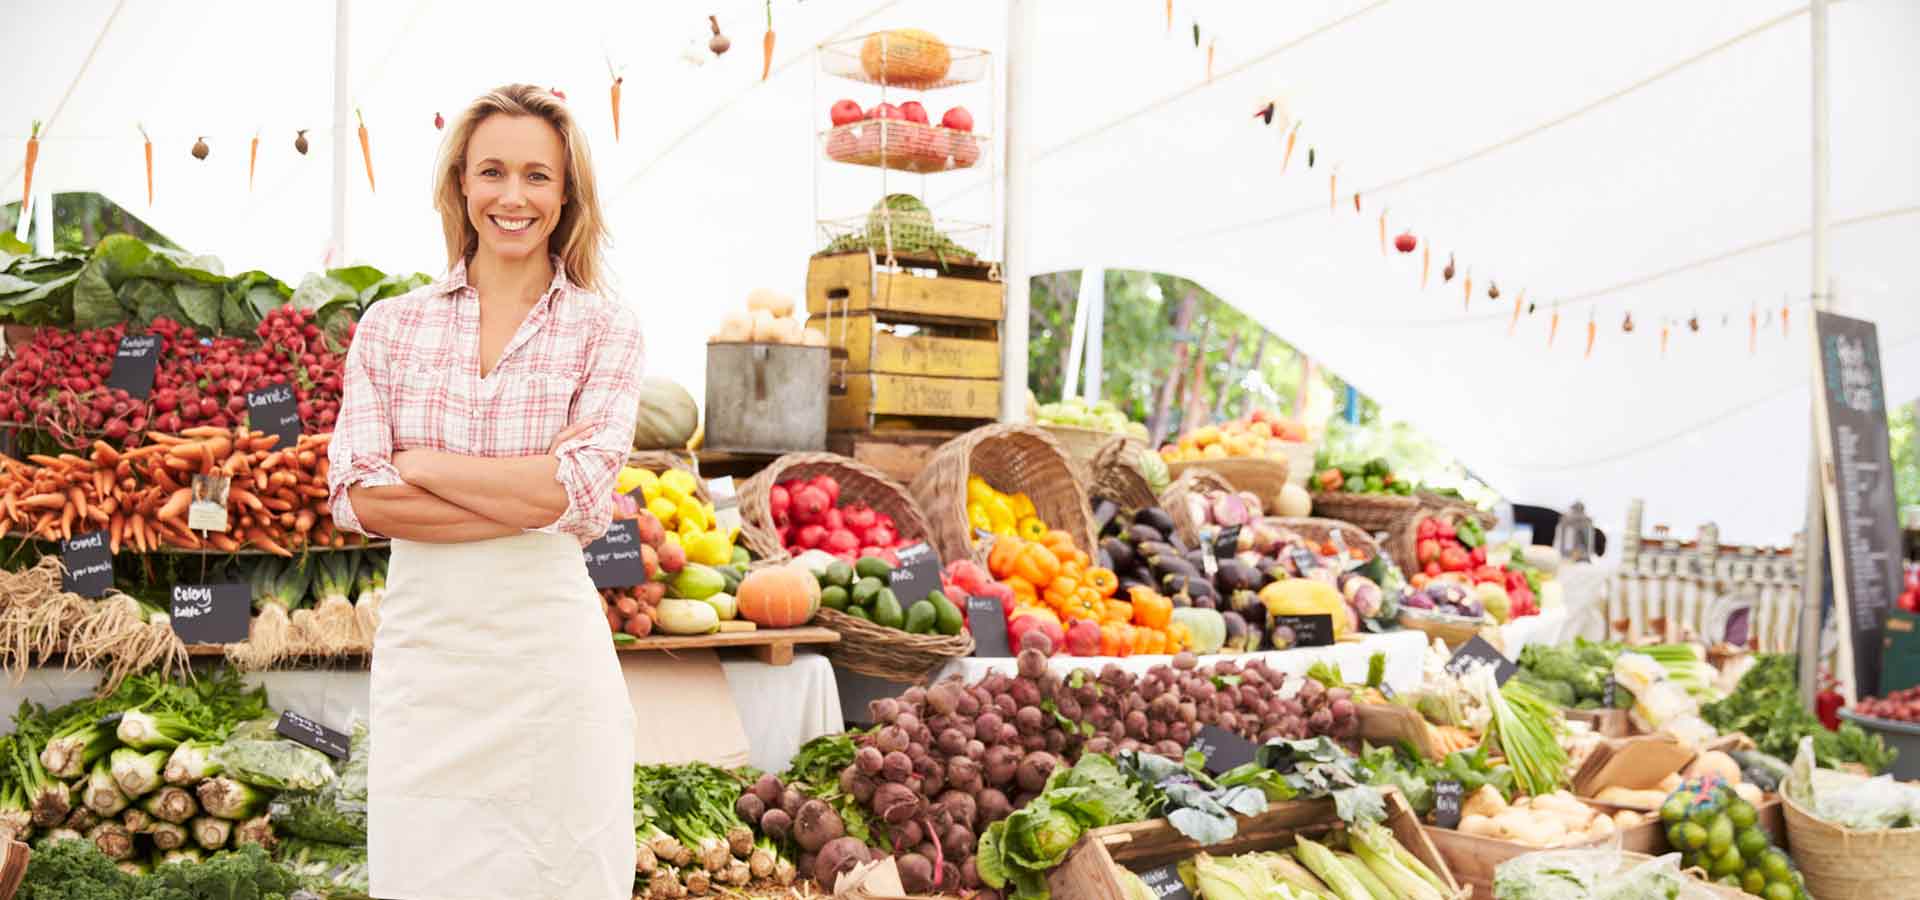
(581, 235)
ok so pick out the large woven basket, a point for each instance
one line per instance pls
(1320, 531)
(1191, 480)
(1115, 475)
(859, 483)
(657, 461)
(1011, 458)
(881, 652)
(1260, 476)
(1403, 540)
(1080, 444)
(1374, 512)
(1842, 864)
(1431, 500)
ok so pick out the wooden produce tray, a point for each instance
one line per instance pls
(1088, 873)
(899, 454)
(773, 646)
(922, 287)
(863, 342)
(863, 400)
(1607, 723)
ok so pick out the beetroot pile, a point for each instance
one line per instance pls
(944, 762)
(808, 515)
(58, 382)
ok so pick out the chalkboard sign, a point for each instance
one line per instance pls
(1900, 656)
(1209, 563)
(1165, 883)
(211, 613)
(1222, 749)
(613, 561)
(135, 363)
(1446, 804)
(89, 564)
(302, 730)
(987, 621)
(275, 410)
(1227, 542)
(1610, 694)
(1478, 649)
(1856, 476)
(917, 575)
(1308, 631)
(1304, 562)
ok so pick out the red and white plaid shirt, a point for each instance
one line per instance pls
(413, 382)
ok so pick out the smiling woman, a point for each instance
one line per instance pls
(482, 423)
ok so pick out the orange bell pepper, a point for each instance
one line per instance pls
(1060, 542)
(1103, 580)
(1152, 641)
(1078, 558)
(1036, 564)
(1118, 611)
(1023, 592)
(1000, 559)
(1150, 609)
(1116, 640)
(1179, 637)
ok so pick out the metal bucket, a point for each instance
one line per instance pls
(766, 398)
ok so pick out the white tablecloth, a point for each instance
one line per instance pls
(1550, 627)
(781, 707)
(1404, 651)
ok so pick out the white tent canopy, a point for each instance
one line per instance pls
(1642, 157)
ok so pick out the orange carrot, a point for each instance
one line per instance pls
(1291, 135)
(1514, 322)
(253, 156)
(33, 156)
(616, 108)
(1783, 320)
(1333, 191)
(1468, 284)
(1426, 264)
(366, 152)
(1592, 330)
(766, 45)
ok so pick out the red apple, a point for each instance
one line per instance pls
(846, 112)
(933, 156)
(914, 112)
(957, 119)
(1406, 242)
(883, 111)
(964, 147)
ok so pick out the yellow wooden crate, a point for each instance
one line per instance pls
(862, 344)
(851, 283)
(867, 396)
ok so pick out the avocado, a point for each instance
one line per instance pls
(873, 567)
(920, 618)
(859, 613)
(834, 597)
(947, 618)
(865, 590)
(887, 611)
(838, 574)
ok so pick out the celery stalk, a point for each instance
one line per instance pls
(210, 833)
(168, 835)
(103, 794)
(137, 773)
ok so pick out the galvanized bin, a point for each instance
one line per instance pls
(766, 398)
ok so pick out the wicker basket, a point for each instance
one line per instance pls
(1262, 477)
(658, 461)
(1191, 480)
(1452, 630)
(859, 483)
(1374, 512)
(1431, 500)
(881, 652)
(1011, 458)
(1115, 475)
(1842, 864)
(1080, 444)
(1320, 531)
(1403, 540)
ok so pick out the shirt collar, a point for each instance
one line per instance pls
(456, 279)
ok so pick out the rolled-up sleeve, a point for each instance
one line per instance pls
(361, 453)
(608, 401)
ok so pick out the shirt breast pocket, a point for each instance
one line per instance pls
(528, 409)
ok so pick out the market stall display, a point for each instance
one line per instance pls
(970, 472)
(823, 501)
(1126, 473)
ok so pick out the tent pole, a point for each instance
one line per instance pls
(1814, 565)
(342, 127)
(1015, 266)
(1076, 340)
(1093, 293)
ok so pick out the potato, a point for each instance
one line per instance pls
(1715, 763)
(1749, 793)
(1478, 824)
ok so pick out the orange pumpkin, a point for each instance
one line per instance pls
(779, 596)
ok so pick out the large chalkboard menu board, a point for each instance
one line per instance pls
(1863, 530)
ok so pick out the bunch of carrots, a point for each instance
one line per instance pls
(277, 500)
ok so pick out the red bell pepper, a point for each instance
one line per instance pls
(1429, 550)
(1478, 555)
(1455, 559)
(1432, 569)
(1429, 528)
(1446, 530)
(1488, 575)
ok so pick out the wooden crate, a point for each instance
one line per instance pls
(1473, 858)
(899, 454)
(864, 343)
(921, 287)
(1088, 873)
(1607, 723)
(927, 401)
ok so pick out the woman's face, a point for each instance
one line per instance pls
(515, 182)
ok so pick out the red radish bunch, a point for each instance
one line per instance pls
(1900, 706)
(808, 515)
(630, 610)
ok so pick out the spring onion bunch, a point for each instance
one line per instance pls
(1523, 727)
(1687, 667)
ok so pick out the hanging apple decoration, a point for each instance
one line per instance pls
(1627, 326)
(438, 122)
(845, 112)
(200, 150)
(719, 43)
(1446, 274)
(1405, 242)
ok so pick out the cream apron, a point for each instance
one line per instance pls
(502, 732)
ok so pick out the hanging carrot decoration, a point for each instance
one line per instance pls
(1210, 43)
(1291, 135)
(615, 91)
(1169, 16)
(1753, 331)
(1383, 230)
(1783, 320)
(1663, 340)
(1356, 201)
(1553, 327)
(366, 150)
(1468, 284)
(1426, 264)
(1333, 189)
(253, 156)
(149, 150)
(1592, 331)
(33, 156)
(1514, 323)
(766, 45)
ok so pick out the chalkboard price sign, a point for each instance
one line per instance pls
(302, 730)
(274, 410)
(917, 575)
(1223, 750)
(987, 621)
(211, 613)
(1478, 650)
(614, 561)
(1446, 804)
(1308, 631)
(89, 564)
(135, 363)
(1165, 883)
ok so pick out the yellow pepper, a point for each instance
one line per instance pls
(999, 516)
(978, 491)
(665, 510)
(691, 510)
(1030, 528)
(977, 516)
(677, 484)
(635, 478)
(1022, 505)
(709, 548)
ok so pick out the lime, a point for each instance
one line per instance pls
(1775, 865)
(1693, 836)
(1720, 836)
(1674, 835)
(1728, 863)
(1752, 842)
(1778, 890)
(1753, 882)
(1704, 811)
(1742, 813)
(1675, 809)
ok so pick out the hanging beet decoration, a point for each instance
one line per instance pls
(1446, 274)
(1493, 290)
(439, 122)
(1693, 324)
(300, 141)
(1627, 326)
(1196, 32)
(200, 150)
(1405, 242)
(1265, 113)
(1356, 201)
(719, 43)
(1530, 309)
(1309, 157)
